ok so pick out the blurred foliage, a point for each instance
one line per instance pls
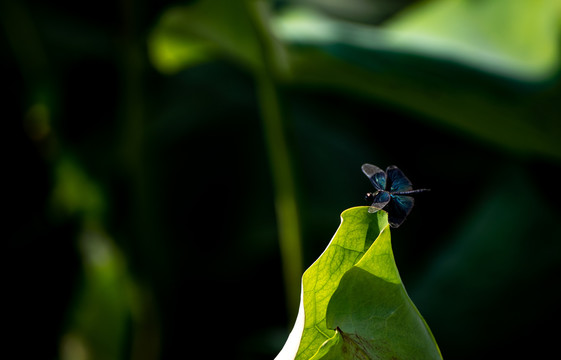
(189, 35)
(135, 131)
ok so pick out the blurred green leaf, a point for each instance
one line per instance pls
(354, 301)
(516, 38)
(75, 193)
(187, 35)
(463, 79)
(171, 52)
(97, 325)
(482, 68)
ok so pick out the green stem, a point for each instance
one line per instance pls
(286, 207)
(146, 330)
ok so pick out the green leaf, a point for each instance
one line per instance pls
(354, 304)
(480, 67)
(481, 78)
(187, 35)
(99, 320)
(518, 38)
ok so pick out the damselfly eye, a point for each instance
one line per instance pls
(369, 197)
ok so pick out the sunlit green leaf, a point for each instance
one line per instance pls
(518, 38)
(456, 64)
(354, 301)
(460, 64)
(187, 35)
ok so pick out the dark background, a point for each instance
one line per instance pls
(141, 207)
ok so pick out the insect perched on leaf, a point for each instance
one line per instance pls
(392, 193)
